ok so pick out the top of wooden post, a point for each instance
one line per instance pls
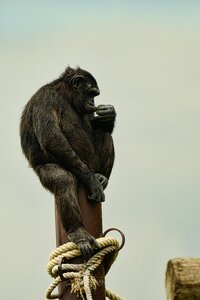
(183, 279)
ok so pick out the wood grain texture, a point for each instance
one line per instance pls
(91, 214)
(183, 279)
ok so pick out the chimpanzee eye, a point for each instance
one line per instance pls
(89, 85)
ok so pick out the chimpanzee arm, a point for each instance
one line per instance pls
(52, 140)
(105, 119)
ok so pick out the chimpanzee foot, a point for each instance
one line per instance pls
(85, 241)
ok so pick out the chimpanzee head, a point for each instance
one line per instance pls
(85, 88)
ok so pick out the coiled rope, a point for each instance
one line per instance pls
(80, 276)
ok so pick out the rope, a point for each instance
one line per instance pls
(80, 276)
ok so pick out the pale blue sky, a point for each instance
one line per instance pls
(145, 57)
(21, 18)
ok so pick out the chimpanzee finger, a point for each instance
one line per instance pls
(104, 182)
(97, 196)
(86, 249)
(108, 111)
(94, 197)
(106, 118)
(104, 106)
(102, 197)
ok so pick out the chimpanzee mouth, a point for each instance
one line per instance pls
(90, 105)
(91, 102)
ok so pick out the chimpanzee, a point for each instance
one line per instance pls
(67, 144)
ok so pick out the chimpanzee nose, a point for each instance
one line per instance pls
(94, 92)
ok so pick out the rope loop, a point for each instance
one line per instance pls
(80, 277)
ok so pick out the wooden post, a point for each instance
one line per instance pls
(183, 279)
(91, 214)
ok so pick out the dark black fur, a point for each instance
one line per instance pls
(66, 144)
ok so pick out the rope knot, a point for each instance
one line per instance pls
(80, 277)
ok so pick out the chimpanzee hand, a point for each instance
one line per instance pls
(106, 113)
(96, 188)
(102, 179)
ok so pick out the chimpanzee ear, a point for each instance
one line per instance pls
(76, 79)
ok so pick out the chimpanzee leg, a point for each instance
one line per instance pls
(64, 186)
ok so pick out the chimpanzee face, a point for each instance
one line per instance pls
(87, 87)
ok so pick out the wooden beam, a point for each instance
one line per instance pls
(183, 279)
(91, 214)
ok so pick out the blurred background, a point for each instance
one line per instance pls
(145, 56)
